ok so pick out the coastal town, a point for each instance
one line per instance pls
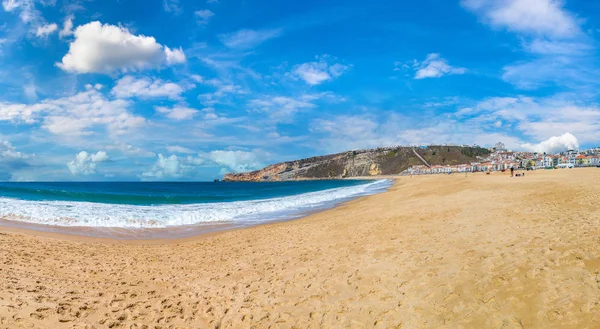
(502, 159)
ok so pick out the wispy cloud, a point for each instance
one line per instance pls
(550, 34)
(247, 38)
(203, 16)
(145, 87)
(45, 30)
(172, 6)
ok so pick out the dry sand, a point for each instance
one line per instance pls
(433, 252)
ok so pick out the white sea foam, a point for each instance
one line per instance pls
(68, 213)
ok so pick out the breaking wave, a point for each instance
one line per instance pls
(249, 212)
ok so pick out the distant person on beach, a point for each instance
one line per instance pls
(512, 171)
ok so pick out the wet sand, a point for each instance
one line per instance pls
(482, 251)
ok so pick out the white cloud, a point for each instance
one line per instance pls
(179, 149)
(209, 114)
(30, 91)
(97, 86)
(547, 47)
(85, 164)
(203, 16)
(554, 144)
(130, 150)
(172, 6)
(20, 113)
(165, 167)
(377, 128)
(223, 89)
(537, 17)
(172, 167)
(572, 70)
(281, 108)
(45, 30)
(108, 48)
(10, 5)
(236, 161)
(145, 87)
(536, 118)
(11, 161)
(197, 78)
(559, 52)
(8, 151)
(435, 67)
(48, 3)
(26, 8)
(175, 56)
(67, 29)
(246, 38)
(177, 112)
(75, 115)
(314, 73)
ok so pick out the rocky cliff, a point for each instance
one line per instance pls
(373, 162)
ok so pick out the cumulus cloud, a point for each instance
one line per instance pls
(315, 73)
(74, 115)
(177, 112)
(236, 161)
(45, 30)
(85, 164)
(145, 87)
(175, 56)
(99, 48)
(538, 17)
(165, 167)
(553, 145)
(435, 66)
(11, 160)
(172, 167)
(8, 151)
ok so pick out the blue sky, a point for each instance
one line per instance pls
(190, 90)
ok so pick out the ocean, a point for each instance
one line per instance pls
(133, 205)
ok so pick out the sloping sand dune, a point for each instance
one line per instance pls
(433, 252)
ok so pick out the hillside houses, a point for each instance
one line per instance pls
(503, 159)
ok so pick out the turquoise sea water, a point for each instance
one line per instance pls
(167, 204)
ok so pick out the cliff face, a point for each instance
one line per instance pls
(373, 162)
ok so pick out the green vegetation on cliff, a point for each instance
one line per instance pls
(372, 162)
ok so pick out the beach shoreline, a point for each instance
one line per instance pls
(138, 237)
(440, 251)
(169, 234)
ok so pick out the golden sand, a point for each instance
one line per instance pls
(483, 251)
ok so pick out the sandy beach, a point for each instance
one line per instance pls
(447, 251)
